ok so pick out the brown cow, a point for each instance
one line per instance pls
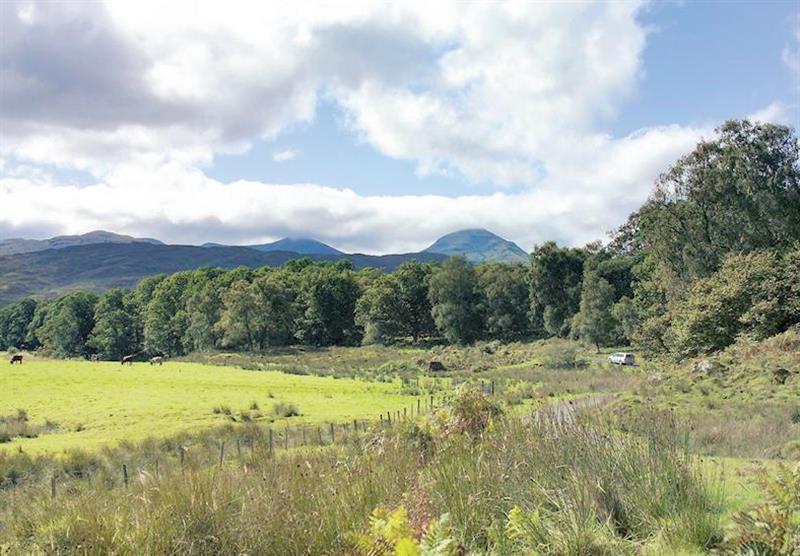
(158, 360)
(127, 359)
(17, 358)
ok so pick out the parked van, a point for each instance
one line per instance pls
(622, 358)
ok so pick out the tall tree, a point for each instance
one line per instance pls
(594, 323)
(396, 305)
(506, 300)
(456, 301)
(165, 318)
(328, 296)
(114, 332)
(14, 321)
(555, 287)
(68, 323)
(203, 307)
(736, 193)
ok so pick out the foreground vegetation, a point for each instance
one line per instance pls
(569, 456)
(469, 470)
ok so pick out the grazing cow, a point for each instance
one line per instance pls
(16, 359)
(94, 358)
(158, 360)
(127, 359)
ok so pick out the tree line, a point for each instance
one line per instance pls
(713, 254)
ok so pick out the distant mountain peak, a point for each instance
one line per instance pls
(302, 245)
(15, 246)
(479, 245)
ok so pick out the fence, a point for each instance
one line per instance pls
(238, 443)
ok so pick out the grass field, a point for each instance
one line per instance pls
(96, 404)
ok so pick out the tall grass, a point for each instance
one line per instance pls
(511, 486)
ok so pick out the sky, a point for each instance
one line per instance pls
(375, 127)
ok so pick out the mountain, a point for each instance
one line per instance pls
(98, 267)
(479, 246)
(15, 246)
(300, 245)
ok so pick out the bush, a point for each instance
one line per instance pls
(472, 412)
(563, 356)
(283, 409)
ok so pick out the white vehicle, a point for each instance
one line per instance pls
(622, 358)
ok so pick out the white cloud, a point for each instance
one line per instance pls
(776, 112)
(284, 155)
(575, 208)
(143, 95)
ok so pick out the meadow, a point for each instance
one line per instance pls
(88, 405)
(656, 459)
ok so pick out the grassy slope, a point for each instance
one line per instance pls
(110, 403)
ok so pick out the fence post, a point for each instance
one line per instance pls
(181, 454)
(238, 448)
(319, 435)
(418, 404)
(158, 475)
(303, 428)
(53, 486)
(270, 442)
(389, 416)
(355, 425)
(125, 474)
(404, 413)
(332, 434)
(493, 388)
(221, 453)
(431, 402)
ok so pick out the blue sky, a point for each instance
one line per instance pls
(373, 127)
(704, 62)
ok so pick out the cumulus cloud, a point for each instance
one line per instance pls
(143, 95)
(283, 155)
(195, 208)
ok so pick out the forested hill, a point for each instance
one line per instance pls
(102, 266)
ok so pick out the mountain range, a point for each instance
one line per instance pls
(100, 260)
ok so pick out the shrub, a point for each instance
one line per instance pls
(283, 409)
(472, 412)
(563, 356)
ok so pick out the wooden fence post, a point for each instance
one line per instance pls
(221, 453)
(493, 388)
(157, 473)
(319, 435)
(53, 486)
(125, 474)
(332, 434)
(418, 404)
(355, 425)
(431, 402)
(238, 448)
(181, 455)
(270, 442)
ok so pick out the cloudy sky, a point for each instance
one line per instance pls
(375, 127)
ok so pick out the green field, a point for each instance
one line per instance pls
(98, 404)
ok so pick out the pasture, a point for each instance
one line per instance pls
(89, 405)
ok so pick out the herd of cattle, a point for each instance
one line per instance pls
(126, 360)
